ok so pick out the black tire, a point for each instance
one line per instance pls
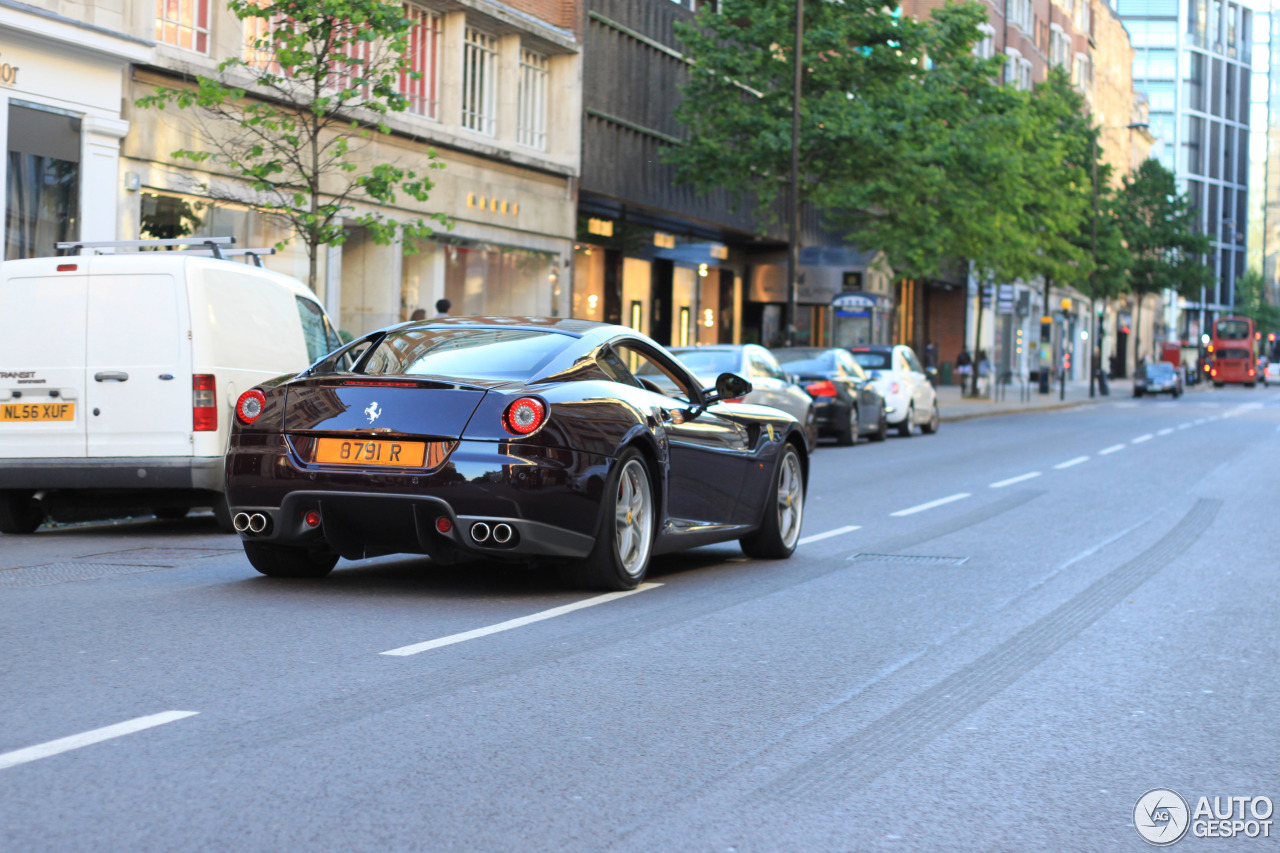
(1219, 384)
(848, 436)
(607, 567)
(170, 513)
(19, 512)
(904, 428)
(281, 561)
(222, 514)
(935, 420)
(1250, 384)
(882, 427)
(779, 531)
(1137, 392)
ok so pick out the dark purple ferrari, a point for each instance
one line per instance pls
(514, 438)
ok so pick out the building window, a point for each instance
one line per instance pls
(986, 48)
(424, 58)
(1017, 70)
(1018, 13)
(479, 82)
(531, 122)
(1059, 45)
(43, 189)
(258, 49)
(184, 23)
(1083, 72)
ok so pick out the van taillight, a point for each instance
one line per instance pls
(204, 404)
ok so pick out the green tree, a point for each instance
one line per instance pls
(737, 106)
(291, 120)
(1159, 228)
(1251, 302)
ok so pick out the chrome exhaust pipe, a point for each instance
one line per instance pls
(502, 533)
(480, 531)
(257, 522)
(240, 522)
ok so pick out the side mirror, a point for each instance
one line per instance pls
(729, 386)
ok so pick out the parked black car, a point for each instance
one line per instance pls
(846, 403)
(513, 438)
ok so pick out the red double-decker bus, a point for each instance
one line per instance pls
(1234, 352)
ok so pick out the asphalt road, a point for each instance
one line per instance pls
(1014, 629)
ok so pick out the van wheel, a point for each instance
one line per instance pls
(19, 512)
(281, 561)
(222, 514)
(170, 513)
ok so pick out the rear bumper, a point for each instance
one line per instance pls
(549, 497)
(116, 474)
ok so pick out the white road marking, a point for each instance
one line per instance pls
(839, 531)
(1012, 480)
(1185, 426)
(1142, 438)
(1070, 462)
(1201, 421)
(66, 744)
(931, 504)
(428, 645)
(1165, 431)
(1112, 449)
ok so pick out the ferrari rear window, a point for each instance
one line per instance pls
(466, 353)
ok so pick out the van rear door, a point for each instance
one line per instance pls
(42, 343)
(138, 382)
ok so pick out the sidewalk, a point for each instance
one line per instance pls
(955, 407)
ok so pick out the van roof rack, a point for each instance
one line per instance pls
(212, 244)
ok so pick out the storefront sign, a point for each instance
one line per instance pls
(8, 74)
(493, 204)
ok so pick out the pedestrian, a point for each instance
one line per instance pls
(420, 314)
(442, 307)
(984, 373)
(963, 367)
(930, 355)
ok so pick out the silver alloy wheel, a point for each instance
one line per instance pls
(853, 422)
(790, 499)
(633, 518)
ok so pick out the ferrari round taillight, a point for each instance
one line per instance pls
(524, 416)
(250, 405)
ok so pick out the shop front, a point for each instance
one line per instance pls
(681, 290)
(61, 88)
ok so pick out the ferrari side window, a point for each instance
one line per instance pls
(654, 375)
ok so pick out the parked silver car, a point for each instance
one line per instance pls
(1158, 377)
(770, 384)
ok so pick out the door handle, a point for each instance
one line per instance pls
(111, 376)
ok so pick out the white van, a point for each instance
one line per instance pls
(119, 375)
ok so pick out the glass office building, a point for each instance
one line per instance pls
(1192, 60)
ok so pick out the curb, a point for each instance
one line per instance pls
(1052, 407)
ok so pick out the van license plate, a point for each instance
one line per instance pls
(26, 412)
(399, 454)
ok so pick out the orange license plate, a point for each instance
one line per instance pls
(399, 454)
(29, 412)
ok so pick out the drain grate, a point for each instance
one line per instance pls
(908, 559)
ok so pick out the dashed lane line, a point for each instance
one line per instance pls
(1012, 480)
(1165, 431)
(428, 645)
(839, 531)
(931, 504)
(1142, 438)
(66, 744)
(1070, 463)
(1112, 449)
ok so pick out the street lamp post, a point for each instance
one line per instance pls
(793, 249)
